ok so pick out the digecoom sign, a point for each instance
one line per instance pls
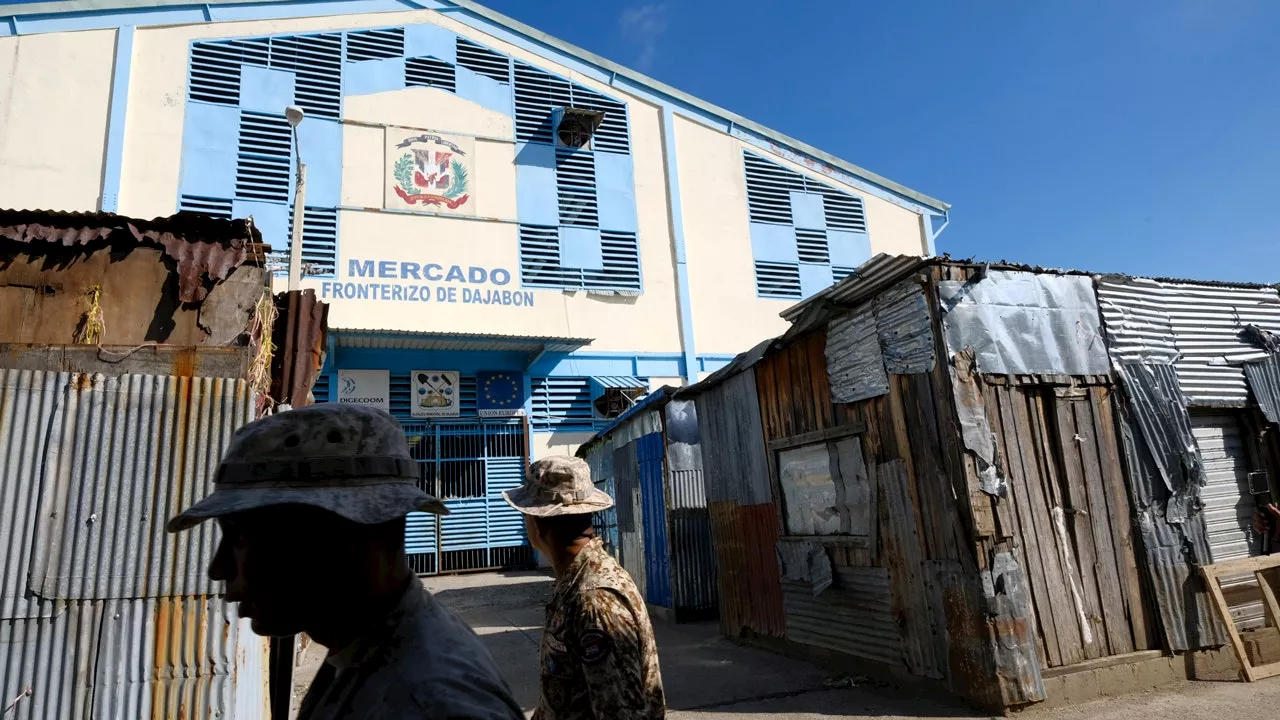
(425, 282)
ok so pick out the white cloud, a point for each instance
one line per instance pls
(643, 26)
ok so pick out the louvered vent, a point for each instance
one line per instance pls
(540, 256)
(484, 61)
(537, 94)
(400, 395)
(769, 200)
(317, 61)
(812, 246)
(561, 401)
(611, 136)
(213, 207)
(320, 391)
(844, 212)
(215, 68)
(576, 187)
(262, 168)
(839, 273)
(375, 44)
(429, 72)
(777, 280)
(621, 264)
(319, 241)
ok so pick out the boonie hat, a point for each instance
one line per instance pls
(350, 460)
(558, 485)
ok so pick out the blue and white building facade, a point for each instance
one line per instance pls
(517, 238)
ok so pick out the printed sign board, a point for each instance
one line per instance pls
(499, 394)
(430, 172)
(371, 388)
(435, 393)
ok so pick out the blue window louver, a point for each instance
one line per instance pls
(320, 391)
(827, 226)
(540, 262)
(538, 94)
(560, 402)
(375, 44)
(213, 207)
(576, 188)
(481, 59)
(430, 72)
(262, 167)
(319, 241)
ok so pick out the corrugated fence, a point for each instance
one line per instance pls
(103, 614)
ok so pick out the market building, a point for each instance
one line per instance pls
(516, 238)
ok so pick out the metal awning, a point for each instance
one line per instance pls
(533, 347)
(619, 381)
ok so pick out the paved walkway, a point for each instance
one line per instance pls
(710, 678)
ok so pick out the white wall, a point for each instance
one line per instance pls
(55, 93)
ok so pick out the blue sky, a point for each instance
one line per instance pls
(1139, 137)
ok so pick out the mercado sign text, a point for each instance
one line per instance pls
(395, 281)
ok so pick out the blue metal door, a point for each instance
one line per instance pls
(653, 506)
(467, 465)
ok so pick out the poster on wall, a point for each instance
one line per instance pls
(499, 394)
(435, 393)
(370, 388)
(430, 172)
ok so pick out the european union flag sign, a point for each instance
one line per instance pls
(499, 394)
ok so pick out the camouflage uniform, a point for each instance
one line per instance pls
(599, 659)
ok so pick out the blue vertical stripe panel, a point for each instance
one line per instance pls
(420, 533)
(320, 147)
(209, 150)
(807, 211)
(271, 219)
(814, 278)
(483, 90)
(466, 526)
(114, 159)
(373, 76)
(774, 243)
(654, 510)
(580, 248)
(616, 192)
(266, 90)
(506, 524)
(430, 40)
(848, 248)
(536, 199)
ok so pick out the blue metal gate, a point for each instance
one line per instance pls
(653, 507)
(467, 465)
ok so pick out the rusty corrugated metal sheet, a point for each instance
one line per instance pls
(299, 339)
(750, 586)
(735, 461)
(865, 281)
(854, 616)
(101, 608)
(206, 249)
(905, 329)
(1199, 324)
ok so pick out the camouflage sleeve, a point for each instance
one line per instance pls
(608, 645)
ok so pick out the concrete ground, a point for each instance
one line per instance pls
(709, 678)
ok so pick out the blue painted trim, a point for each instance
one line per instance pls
(931, 235)
(683, 298)
(113, 163)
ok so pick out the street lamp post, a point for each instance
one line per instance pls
(293, 115)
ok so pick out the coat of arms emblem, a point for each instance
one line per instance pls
(430, 172)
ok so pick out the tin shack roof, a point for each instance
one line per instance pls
(206, 249)
(652, 401)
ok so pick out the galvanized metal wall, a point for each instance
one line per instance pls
(855, 617)
(101, 609)
(734, 459)
(630, 505)
(1199, 325)
(693, 559)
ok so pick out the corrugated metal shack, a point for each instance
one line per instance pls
(650, 461)
(934, 472)
(125, 348)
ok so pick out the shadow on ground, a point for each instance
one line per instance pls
(706, 676)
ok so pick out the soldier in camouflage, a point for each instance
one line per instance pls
(599, 658)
